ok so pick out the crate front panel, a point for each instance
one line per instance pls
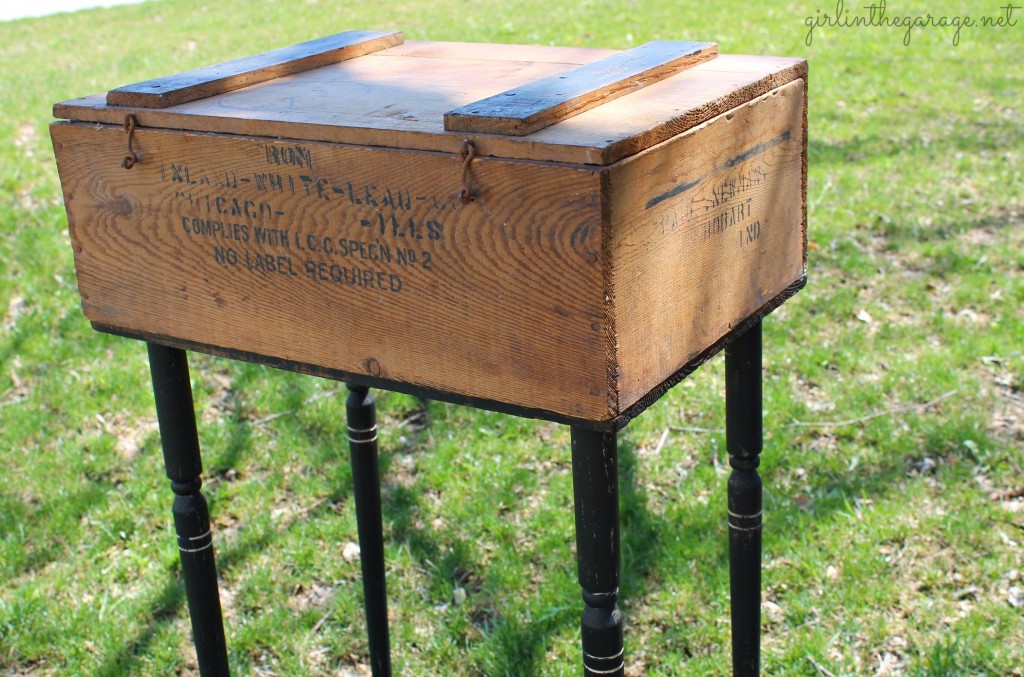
(351, 258)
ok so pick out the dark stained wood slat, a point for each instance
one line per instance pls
(225, 77)
(540, 104)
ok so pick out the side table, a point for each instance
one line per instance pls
(470, 223)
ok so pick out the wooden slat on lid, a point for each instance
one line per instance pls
(540, 104)
(211, 80)
(397, 98)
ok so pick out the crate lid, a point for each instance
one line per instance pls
(563, 104)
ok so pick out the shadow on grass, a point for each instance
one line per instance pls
(509, 645)
(169, 603)
(516, 646)
(240, 435)
(53, 543)
(651, 543)
(166, 606)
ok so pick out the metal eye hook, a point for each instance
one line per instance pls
(131, 158)
(467, 194)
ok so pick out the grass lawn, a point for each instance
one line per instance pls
(894, 397)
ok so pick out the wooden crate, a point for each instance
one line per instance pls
(630, 210)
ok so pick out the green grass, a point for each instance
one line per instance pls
(891, 543)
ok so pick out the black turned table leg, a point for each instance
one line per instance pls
(176, 415)
(743, 441)
(362, 435)
(596, 494)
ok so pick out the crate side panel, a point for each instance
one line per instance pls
(350, 258)
(706, 228)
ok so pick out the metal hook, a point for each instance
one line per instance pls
(467, 194)
(131, 158)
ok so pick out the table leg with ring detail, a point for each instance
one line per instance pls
(360, 408)
(596, 498)
(180, 440)
(743, 440)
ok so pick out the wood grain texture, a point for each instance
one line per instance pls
(656, 393)
(225, 77)
(705, 229)
(607, 425)
(402, 93)
(567, 56)
(609, 253)
(529, 107)
(347, 258)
